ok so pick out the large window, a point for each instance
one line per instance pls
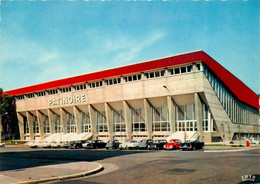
(71, 125)
(205, 118)
(35, 126)
(46, 125)
(58, 127)
(85, 122)
(138, 120)
(160, 119)
(119, 121)
(101, 122)
(185, 118)
(25, 126)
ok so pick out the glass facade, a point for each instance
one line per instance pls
(138, 120)
(46, 125)
(186, 118)
(58, 127)
(119, 121)
(71, 125)
(237, 111)
(35, 126)
(160, 119)
(101, 122)
(85, 122)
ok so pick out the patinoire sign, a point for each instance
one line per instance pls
(67, 100)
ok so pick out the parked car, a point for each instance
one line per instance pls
(173, 144)
(2, 144)
(114, 144)
(254, 140)
(65, 144)
(192, 145)
(124, 145)
(33, 144)
(133, 144)
(75, 145)
(157, 144)
(56, 144)
(243, 141)
(96, 144)
(46, 145)
(143, 144)
(85, 144)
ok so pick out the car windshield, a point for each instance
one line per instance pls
(92, 141)
(172, 141)
(133, 141)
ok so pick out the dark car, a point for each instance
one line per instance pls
(192, 145)
(143, 144)
(96, 144)
(114, 144)
(75, 145)
(157, 144)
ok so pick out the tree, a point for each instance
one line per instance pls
(9, 121)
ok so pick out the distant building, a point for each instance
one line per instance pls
(188, 95)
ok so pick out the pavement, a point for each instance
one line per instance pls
(50, 172)
(69, 170)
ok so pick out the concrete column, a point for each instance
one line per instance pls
(78, 119)
(171, 110)
(63, 119)
(51, 116)
(21, 125)
(93, 121)
(148, 118)
(127, 112)
(109, 117)
(40, 118)
(30, 120)
(198, 112)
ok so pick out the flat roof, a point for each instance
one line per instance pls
(237, 87)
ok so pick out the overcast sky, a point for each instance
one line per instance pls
(44, 41)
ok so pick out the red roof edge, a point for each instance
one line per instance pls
(239, 89)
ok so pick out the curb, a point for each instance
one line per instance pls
(98, 169)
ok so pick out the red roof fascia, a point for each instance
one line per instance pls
(135, 68)
(238, 88)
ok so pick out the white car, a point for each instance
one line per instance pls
(46, 145)
(124, 145)
(240, 142)
(133, 144)
(2, 144)
(56, 144)
(129, 144)
(254, 140)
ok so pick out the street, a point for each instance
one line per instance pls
(142, 166)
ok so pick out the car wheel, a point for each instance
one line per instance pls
(174, 148)
(107, 148)
(193, 148)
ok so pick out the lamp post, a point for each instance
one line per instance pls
(1, 125)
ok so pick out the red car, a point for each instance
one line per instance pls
(173, 144)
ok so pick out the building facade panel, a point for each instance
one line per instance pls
(177, 97)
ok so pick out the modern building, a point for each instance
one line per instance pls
(188, 96)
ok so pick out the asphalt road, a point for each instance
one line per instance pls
(135, 167)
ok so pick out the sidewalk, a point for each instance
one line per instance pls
(229, 149)
(50, 172)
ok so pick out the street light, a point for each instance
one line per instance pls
(1, 125)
